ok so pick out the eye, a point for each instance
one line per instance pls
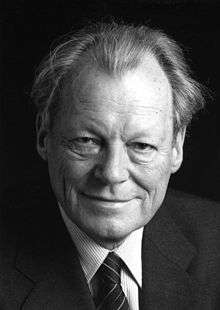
(141, 152)
(141, 146)
(86, 140)
(83, 146)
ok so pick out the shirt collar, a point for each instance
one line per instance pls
(92, 255)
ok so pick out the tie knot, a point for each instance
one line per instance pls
(111, 268)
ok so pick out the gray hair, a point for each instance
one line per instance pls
(115, 49)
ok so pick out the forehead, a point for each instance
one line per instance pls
(145, 91)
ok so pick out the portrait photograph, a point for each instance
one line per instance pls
(110, 155)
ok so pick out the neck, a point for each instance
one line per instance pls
(109, 244)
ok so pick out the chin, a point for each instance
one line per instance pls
(109, 233)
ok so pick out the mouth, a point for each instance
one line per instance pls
(105, 199)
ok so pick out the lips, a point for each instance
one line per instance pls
(105, 199)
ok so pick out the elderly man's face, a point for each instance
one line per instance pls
(111, 154)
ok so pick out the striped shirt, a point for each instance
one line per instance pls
(92, 255)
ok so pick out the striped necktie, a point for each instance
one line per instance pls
(110, 293)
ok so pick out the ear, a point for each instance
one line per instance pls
(177, 150)
(42, 136)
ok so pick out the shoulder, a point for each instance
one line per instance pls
(195, 207)
(21, 210)
(198, 218)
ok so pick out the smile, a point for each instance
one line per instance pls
(105, 199)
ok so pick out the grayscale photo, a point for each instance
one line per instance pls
(110, 171)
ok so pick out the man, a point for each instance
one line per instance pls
(114, 102)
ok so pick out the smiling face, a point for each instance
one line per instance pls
(111, 151)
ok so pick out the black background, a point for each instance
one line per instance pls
(29, 28)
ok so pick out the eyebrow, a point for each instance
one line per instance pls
(90, 126)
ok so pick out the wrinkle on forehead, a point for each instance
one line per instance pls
(84, 104)
(90, 93)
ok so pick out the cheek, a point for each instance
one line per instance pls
(153, 176)
(153, 181)
(70, 173)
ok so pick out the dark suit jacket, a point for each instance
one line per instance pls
(39, 267)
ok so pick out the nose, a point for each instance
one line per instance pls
(113, 167)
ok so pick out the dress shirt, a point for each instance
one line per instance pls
(92, 255)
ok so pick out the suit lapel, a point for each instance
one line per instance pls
(166, 256)
(50, 261)
(63, 286)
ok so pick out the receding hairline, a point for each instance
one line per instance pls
(74, 85)
(85, 65)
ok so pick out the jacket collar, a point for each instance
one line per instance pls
(166, 258)
(168, 238)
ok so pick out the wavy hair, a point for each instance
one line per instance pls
(115, 48)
